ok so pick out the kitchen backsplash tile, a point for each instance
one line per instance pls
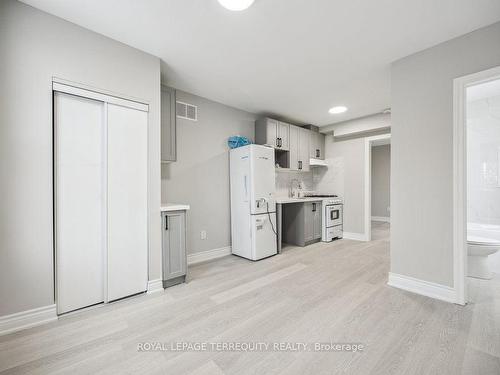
(330, 180)
(283, 180)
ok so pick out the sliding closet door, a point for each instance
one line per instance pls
(79, 162)
(127, 201)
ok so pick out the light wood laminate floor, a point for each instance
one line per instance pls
(333, 292)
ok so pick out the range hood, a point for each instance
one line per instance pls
(317, 163)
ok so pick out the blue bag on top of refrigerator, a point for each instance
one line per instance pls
(237, 141)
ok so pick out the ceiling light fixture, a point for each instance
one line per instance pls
(236, 5)
(337, 110)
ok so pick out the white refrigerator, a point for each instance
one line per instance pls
(253, 205)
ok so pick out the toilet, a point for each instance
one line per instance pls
(483, 240)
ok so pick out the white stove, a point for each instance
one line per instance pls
(333, 219)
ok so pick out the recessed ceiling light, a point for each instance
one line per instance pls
(236, 4)
(337, 110)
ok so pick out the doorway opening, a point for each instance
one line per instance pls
(476, 223)
(377, 186)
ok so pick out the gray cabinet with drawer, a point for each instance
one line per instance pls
(174, 247)
(302, 223)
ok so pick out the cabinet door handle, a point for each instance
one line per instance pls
(280, 142)
(166, 222)
(317, 153)
(314, 207)
(300, 164)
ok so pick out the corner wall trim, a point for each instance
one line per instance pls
(384, 219)
(155, 286)
(203, 256)
(422, 287)
(355, 236)
(27, 319)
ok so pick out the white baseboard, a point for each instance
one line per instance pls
(155, 286)
(26, 319)
(203, 256)
(425, 288)
(384, 219)
(354, 236)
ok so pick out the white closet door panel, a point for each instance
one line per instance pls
(127, 202)
(80, 201)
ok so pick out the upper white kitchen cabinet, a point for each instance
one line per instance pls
(168, 125)
(316, 145)
(304, 140)
(273, 133)
(284, 135)
(299, 149)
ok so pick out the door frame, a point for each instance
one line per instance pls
(460, 86)
(369, 143)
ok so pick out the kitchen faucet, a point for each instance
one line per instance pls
(292, 192)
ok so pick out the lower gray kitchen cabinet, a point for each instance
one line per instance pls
(317, 220)
(301, 223)
(174, 247)
(312, 221)
(168, 125)
(308, 209)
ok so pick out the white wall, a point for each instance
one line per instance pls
(200, 176)
(483, 165)
(381, 180)
(422, 151)
(34, 47)
(483, 154)
(345, 177)
(374, 123)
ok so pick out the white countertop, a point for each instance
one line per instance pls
(174, 207)
(283, 200)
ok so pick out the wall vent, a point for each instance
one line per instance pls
(186, 111)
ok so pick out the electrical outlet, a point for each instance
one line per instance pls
(203, 234)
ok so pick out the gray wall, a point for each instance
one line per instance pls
(34, 47)
(422, 151)
(381, 180)
(200, 176)
(345, 176)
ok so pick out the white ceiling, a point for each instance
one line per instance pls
(291, 58)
